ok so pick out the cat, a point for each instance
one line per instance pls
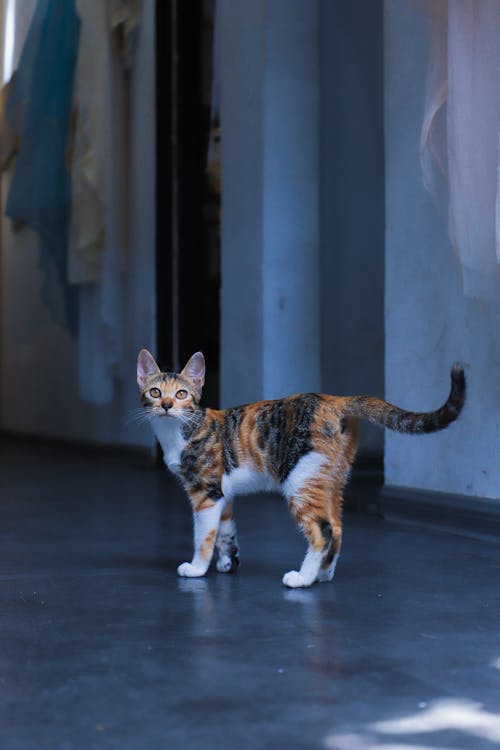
(302, 446)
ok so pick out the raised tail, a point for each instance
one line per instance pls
(382, 413)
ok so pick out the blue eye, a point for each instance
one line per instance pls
(155, 393)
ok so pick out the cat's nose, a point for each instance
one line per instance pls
(167, 404)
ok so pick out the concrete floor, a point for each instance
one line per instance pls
(102, 646)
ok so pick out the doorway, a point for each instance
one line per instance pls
(188, 208)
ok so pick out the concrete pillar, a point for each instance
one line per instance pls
(269, 112)
(242, 62)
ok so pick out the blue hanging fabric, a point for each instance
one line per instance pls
(39, 109)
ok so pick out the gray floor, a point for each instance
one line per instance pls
(102, 646)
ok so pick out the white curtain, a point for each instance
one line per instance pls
(460, 150)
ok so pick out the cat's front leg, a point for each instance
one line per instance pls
(206, 525)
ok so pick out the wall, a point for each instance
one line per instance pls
(429, 323)
(269, 110)
(242, 59)
(39, 359)
(352, 202)
(302, 151)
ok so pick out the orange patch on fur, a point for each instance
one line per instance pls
(227, 513)
(208, 545)
(201, 502)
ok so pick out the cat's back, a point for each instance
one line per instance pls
(270, 437)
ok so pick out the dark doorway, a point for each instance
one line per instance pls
(188, 209)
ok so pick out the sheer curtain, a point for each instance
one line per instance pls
(460, 151)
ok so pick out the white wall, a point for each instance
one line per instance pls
(429, 323)
(303, 195)
(352, 203)
(39, 392)
(270, 288)
(242, 59)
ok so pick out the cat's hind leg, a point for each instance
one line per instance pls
(333, 529)
(206, 526)
(311, 565)
(227, 542)
(332, 552)
(311, 505)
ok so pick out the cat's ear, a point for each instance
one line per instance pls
(146, 367)
(195, 370)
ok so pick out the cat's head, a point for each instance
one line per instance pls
(167, 394)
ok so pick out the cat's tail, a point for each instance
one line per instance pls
(382, 413)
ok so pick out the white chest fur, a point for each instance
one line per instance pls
(169, 434)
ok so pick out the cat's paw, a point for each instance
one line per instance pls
(294, 580)
(227, 564)
(188, 570)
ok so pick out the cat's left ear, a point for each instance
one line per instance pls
(146, 367)
(195, 370)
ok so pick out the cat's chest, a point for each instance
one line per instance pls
(172, 442)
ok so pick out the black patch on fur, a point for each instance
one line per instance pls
(326, 530)
(230, 426)
(328, 430)
(331, 544)
(343, 425)
(194, 460)
(284, 431)
(330, 554)
(213, 489)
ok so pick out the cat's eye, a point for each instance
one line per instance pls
(181, 394)
(155, 392)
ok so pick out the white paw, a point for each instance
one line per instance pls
(224, 564)
(294, 580)
(188, 570)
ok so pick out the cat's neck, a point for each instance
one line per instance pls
(173, 434)
(168, 432)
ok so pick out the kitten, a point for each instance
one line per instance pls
(302, 446)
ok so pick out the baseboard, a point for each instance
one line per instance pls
(369, 463)
(464, 515)
(362, 493)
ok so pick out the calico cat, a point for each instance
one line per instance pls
(302, 446)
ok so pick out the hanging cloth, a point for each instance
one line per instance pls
(101, 183)
(39, 109)
(460, 151)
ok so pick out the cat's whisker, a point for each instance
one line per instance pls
(187, 417)
(184, 418)
(136, 413)
(138, 416)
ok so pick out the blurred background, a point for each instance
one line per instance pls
(246, 178)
